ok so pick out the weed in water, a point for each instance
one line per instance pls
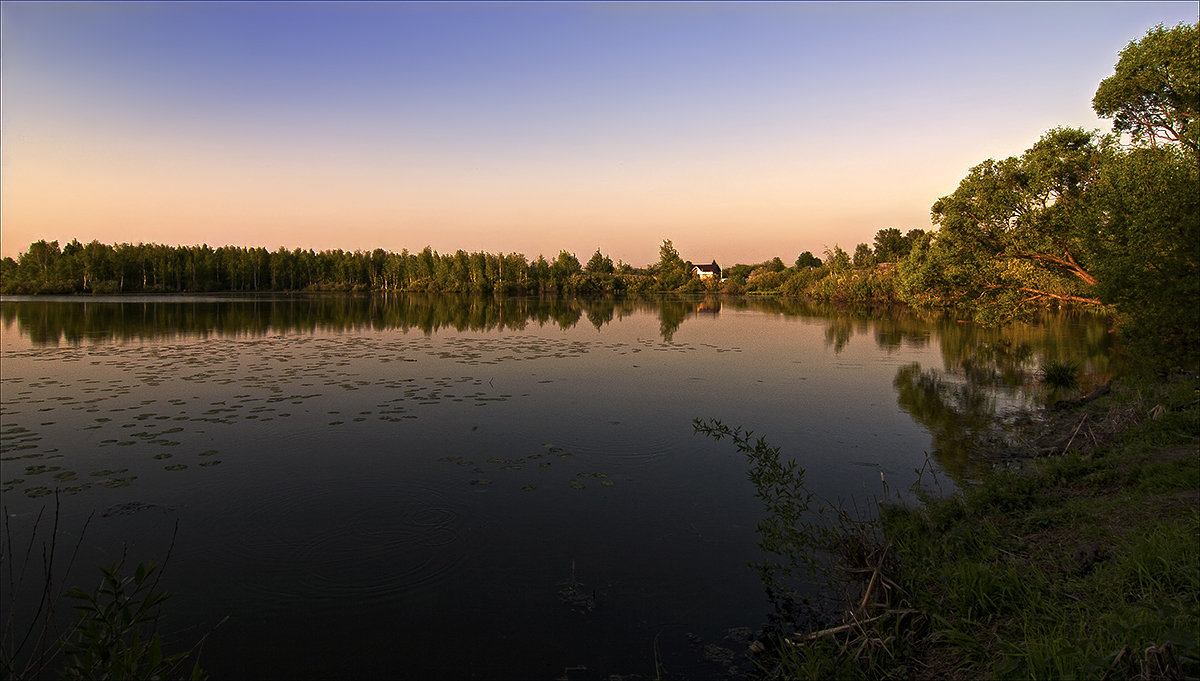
(1059, 373)
(116, 633)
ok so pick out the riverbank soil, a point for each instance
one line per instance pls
(1079, 557)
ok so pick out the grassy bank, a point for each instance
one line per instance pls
(1083, 563)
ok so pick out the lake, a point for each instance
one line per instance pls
(423, 486)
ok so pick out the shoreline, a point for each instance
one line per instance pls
(1084, 562)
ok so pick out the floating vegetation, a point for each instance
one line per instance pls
(132, 507)
(240, 383)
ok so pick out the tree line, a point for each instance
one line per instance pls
(154, 268)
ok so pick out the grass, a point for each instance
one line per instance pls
(1083, 564)
(1059, 373)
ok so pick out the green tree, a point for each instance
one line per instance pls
(8, 275)
(599, 263)
(1010, 236)
(1147, 252)
(910, 239)
(1155, 92)
(806, 260)
(564, 267)
(863, 257)
(672, 270)
(837, 260)
(890, 245)
(38, 262)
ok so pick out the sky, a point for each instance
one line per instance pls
(740, 132)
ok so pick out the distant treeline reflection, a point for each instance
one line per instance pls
(53, 321)
(982, 368)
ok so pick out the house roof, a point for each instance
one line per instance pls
(707, 268)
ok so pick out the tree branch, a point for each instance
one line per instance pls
(1068, 263)
(1060, 296)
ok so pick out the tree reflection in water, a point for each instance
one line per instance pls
(984, 369)
(991, 372)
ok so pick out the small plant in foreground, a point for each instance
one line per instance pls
(117, 634)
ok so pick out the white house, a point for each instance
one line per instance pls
(707, 271)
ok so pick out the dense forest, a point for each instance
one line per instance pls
(1103, 221)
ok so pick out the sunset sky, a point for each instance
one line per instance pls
(739, 131)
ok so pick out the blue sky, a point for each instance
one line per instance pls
(739, 131)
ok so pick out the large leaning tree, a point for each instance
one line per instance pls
(1011, 237)
(1082, 218)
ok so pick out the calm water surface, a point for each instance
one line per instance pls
(447, 487)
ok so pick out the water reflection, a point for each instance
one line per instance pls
(989, 371)
(983, 370)
(47, 321)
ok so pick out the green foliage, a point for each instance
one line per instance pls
(890, 245)
(1053, 572)
(1076, 220)
(766, 282)
(599, 263)
(801, 282)
(795, 534)
(807, 260)
(1154, 93)
(863, 256)
(672, 271)
(117, 633)
(565, 266)
(739, 271)
(1061, 373)
(837, 260)
(869, 286)
(1146, 247)
(151, 268)
(1010, 236)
